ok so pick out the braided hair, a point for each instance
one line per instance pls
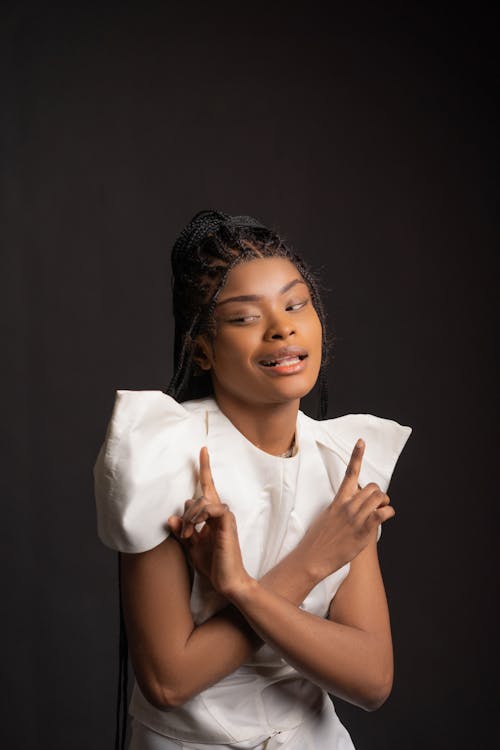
(203, 255)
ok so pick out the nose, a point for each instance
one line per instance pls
(280, 327)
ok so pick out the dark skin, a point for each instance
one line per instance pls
(351, 653)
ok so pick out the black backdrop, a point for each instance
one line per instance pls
(365, 136)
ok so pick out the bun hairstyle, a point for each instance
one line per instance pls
(208, 247)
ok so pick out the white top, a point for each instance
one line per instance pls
(147, 469)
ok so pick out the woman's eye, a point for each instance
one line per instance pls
(297, 305)
(242, 319)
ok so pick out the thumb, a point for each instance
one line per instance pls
(175, 525)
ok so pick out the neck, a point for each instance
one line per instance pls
(271, 427)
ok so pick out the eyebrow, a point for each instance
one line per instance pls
(258, 297)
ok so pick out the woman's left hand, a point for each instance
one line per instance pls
(215, 549)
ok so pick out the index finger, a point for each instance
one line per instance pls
(206, 479)
(350, 481)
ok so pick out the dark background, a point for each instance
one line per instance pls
(366, 136)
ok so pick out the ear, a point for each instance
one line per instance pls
(202, 353)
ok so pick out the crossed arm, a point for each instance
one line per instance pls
(349, 654)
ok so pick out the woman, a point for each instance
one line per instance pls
(248, 531)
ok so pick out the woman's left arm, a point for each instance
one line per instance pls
(349, 654)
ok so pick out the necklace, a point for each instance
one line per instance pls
(289, 452)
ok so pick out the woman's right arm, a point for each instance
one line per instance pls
(173, 659)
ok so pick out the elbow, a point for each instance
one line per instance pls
(169, 699)
(164, 697)
(379, 692)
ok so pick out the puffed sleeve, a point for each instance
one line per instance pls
(384, 441)
(146, 469)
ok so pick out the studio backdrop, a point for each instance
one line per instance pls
(365, 138)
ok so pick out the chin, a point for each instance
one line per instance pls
(292, 391)
(273, 391)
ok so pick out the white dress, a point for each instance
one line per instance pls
(147, 469)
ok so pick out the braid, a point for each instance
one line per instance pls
(325, 344)
(192, 234)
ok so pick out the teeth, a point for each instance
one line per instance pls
(287, 361)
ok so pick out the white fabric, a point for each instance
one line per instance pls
(147, 469)
(321, 730)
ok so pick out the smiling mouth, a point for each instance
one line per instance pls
(284, 361)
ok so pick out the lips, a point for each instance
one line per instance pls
(284, 357)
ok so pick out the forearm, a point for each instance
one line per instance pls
(291, 578)
(220, 645)
(172, 668)
(344, 660)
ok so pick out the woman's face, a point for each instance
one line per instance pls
(267, 346)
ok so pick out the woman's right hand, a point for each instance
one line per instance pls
(346, 527)
(214, 550)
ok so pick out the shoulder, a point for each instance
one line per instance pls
(384, 439)
(144, 411)
(147, 467)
